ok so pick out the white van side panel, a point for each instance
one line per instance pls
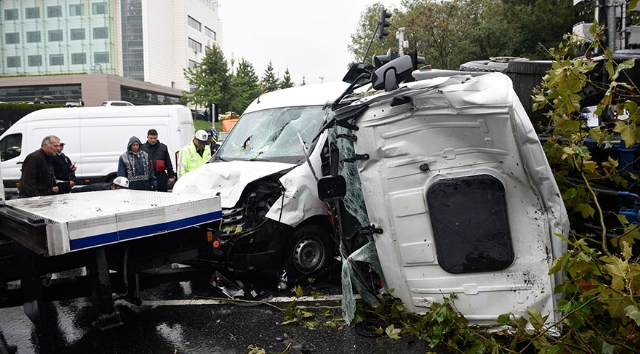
(96, 136)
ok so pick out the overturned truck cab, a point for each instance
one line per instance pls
(447, 179)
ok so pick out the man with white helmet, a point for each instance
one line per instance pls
(194, 154)
(117, 183)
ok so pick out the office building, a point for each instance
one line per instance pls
(132, 50)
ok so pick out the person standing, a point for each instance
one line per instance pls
(194, 154)
(80, 102)
(134, 164)
(213, 140)
(36, 100)
(64, 170)
(37, 177)
(160, 160)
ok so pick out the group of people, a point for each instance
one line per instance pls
(147, 166)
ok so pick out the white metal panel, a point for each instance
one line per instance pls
(459, 130)
(83, 220)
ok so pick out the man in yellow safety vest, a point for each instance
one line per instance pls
(194, 154)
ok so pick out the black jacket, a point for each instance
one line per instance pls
(37, 175)
(159, 152)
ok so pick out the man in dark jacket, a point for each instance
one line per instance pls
(134, 164)
(37, 177)
(64, 170)
(160, 160)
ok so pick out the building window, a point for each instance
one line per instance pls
(195, 45)
(33, 37)
(35, 60)
(192, 64)
(76, 10)
(55, 36)
(101, 57)
(56, 59)
(12, 38)
(210, 33)
(32, 12)
(78, 58)
(11, 15)
(54, 11)
(98, 8)
(13, 62)
(193, 23)
(100, 33)
(77, 34)
(469, 217)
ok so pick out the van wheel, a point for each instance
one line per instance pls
(310, 251)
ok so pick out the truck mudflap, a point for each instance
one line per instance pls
(117, 239)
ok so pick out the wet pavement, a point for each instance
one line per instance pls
(184, 318)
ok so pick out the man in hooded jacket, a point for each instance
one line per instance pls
(134, 164)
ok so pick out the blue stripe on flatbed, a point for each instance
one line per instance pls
(123, 235)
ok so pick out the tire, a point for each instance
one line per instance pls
(310, 251)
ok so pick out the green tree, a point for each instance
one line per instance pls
(245, 86)
(270, 81)
(286, 80)
(210, 79)
(539, 24)
(368, 29)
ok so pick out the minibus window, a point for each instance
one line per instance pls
(10, 146)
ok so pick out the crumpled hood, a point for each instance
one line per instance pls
(227, 178)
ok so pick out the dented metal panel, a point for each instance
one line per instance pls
(452, 131)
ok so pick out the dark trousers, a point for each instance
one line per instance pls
(162, 181)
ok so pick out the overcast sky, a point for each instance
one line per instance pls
(309, 37)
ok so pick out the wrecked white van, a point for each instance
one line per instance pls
(273, 220)
(446, 185)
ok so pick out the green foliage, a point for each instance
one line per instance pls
(211, 80)
(449, 33)
(270, 81)
(286, 80)
(245, 86)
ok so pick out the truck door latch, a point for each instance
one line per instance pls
(350, 137)
(356, 158)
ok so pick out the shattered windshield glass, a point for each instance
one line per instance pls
(272, 134)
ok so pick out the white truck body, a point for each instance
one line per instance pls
(94, 137)
(459, 185)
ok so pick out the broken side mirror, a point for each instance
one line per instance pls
(390, 75)
(332, 188)
(358, 72)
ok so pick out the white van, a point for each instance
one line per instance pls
(94, 137)
(272, 217)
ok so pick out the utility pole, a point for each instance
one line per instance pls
(401, 42)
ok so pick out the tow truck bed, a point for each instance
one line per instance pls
(55, 225)
(121, 237)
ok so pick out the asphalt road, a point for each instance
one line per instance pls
(184, 318)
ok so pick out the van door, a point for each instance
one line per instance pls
(446, 182)
(12, 153)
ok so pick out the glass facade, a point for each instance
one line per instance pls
(61, 93)
(132, 41)
(68, 37)
(140, 97)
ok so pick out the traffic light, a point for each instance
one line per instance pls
(384, 23)
(380, 60)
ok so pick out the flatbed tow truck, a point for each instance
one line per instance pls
(105, 245)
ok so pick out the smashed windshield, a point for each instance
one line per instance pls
(272, 134)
